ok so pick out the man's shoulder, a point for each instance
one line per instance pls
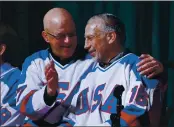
(42, 54)
(37, 57)
(130, 58)
(7, 68)
(11, 75)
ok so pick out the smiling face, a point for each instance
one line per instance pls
(63, 40)
(60, 33)
(96, 41)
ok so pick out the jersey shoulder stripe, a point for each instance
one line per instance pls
(42, 54)
(127, 59)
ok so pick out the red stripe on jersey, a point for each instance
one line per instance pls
(24, 103)
(131, 120)
(27, 125)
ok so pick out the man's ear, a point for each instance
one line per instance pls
(45, 36)
(2, 49)
(111, 37)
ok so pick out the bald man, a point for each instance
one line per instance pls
(50, 77)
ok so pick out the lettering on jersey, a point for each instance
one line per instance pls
(71, 95)
(139, 95)
(5, 115)
(62, 87)
(97, 96)
(110, 103)
(82, 102)
(134, 90)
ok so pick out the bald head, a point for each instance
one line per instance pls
(60, 32)
(56, 16)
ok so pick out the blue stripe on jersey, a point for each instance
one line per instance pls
(153, 83)
(122, 60)
(109, 121)
(43, 54)
(11, 80)
(29, 107)
(4, 68)
(132, 60)
(123, 123)
(133, 110)
(11, 77)
(90, 69)
(110, 104)
(71, 95)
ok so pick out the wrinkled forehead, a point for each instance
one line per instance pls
(94, 27)
(62, 26)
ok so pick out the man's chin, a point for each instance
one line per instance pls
(67, 56)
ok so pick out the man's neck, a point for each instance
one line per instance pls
(61, 61)
(113, 54)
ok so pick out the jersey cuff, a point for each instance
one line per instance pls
(49, 100)
(39, 104)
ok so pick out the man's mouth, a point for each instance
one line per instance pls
(66, 46)
(92, 53)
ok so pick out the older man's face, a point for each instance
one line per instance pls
(63, 39)
(95, 40)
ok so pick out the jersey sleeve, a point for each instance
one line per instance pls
(30, 98)
(138, 96)
(9, 114)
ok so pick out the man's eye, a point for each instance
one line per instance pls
(60, 36)
(71, 34)
(90, 37)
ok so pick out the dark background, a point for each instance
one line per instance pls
(149, 27)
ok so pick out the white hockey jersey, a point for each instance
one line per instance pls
(9, 77)
(95, 101)
(33, 83)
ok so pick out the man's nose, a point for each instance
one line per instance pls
(87, 44)
(67, 39)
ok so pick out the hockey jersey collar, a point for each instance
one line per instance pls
(104, 65)
(62, 62)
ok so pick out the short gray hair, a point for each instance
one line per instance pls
(112, 23)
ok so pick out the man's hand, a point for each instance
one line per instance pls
(149, 66)
(52, 79)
